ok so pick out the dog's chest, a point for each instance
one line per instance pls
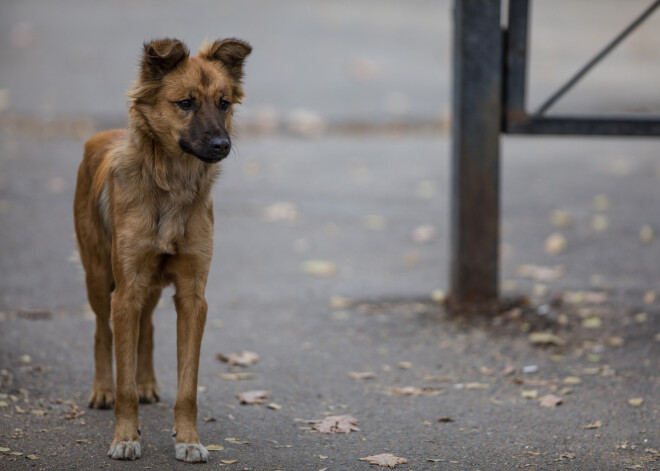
(172, 218)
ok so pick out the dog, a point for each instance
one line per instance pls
(144, 219)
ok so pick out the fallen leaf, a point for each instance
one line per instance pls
(593, 425)
(215, 447)
(599, 223)
(550, 400)
(385, 460)
(404, 365)
(641, 317)
(320, 268)
(545, 338)
(508, 370)
(614, 341)
(25, 359)
(337, 424)
(423, 234)
(273, 406)
(561, 218)
(568, 456)
(3, 404)
(646, 233)
(245, 358)
(33, 457)
(445, 419)
(229, 461)
(555, 244)
(438, 296)
(649, 297)
(281, 211)
(340, 302)
(593, 322)
(236, 441)
(237, 376)
(474, 386)
(4, 450)
(16, 453)
(414, 391)
(253, 397)
(306, 122)
(572, 380)
(636, 401)
(362, 375)
(529, 393)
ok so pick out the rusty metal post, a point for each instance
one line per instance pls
(477, 109)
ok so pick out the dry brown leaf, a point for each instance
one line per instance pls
(362, 375)
(550, 400)
(253, 397)
(445, 419)
(337, 424)
(572, 380)
(474, 386)
(215, 447)
(245, 358)
(545, 338)
(320, 268)
(555, 244)
(414, 391)
(561, 218)
(593, 425)
(237, 376)
(236, 441)
(423, 234)
(385, 460)
(281, 212)
(529, 393)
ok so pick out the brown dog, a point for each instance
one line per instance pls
(144, 219)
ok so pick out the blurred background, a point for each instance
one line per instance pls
(346, 120)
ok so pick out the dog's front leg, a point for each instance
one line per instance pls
(191, 310)
(125, 311)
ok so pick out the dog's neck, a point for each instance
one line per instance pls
(170, 170)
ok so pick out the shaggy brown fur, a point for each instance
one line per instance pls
(144, 219)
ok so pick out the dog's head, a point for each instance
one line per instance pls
(187, 102)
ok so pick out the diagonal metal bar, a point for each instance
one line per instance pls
(614, 43)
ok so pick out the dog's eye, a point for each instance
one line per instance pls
(187, 104)
(224, 105)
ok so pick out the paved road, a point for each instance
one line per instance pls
(354, 201)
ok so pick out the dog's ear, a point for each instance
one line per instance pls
(231, 53)
(161, 57)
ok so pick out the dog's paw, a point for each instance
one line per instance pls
(125, 451)
(101, 399)
(191, 453)
(148, 393)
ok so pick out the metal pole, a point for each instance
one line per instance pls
(477, 109)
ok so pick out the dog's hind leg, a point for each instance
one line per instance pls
(145, 377)
(99, 285)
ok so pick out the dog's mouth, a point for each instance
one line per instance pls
(210, 157)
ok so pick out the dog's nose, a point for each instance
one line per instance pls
(220, 145)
